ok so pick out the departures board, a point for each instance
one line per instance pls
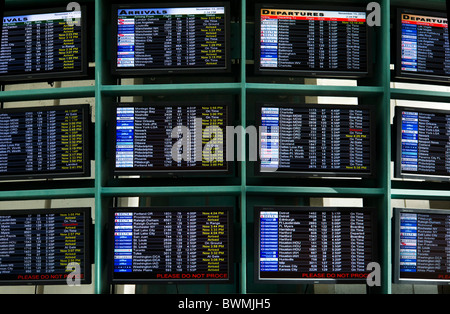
(43, 44)
(299, 40)
(421, 246)
(422, 142)
(315, 140)
(423, 51)
(316, 244)
(167, 39)
(170, 245)
(43, 142)
(45, 246)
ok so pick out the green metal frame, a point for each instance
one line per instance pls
(377, 92)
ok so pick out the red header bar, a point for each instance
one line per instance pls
(311, 18)
(425, 23)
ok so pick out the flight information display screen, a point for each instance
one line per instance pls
(423, 138)
(42, 142)
(423, 50)
(315, 140)
(298, 40)
(300, 244)
(43, 44)
(165, 138)
(422, 246)
(171, 245)
(50, 246)
(165, 39)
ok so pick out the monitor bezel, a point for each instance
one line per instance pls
(402, 76)
(310, 73)
(257, 209)
(85, 172)
(2, 12)
(186, 172)
(396, 251)
(88, 241)
(135, 280)
(126, 73)
(398, 174)
(315, 173)
(53, 76)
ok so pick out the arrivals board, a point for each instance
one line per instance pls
(298, 40)
(317, 244)
(43, 44)
(170, 245)
(43, 142)
(315, 140)
(149, 137)
(423, 139)
(166, 39)
(421, 246)
(48, 246)
(423, 51)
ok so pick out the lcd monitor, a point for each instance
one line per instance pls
(422, 141)
(165, 38)
(43, 45)
(312, 41)
(314, 244)
(45, 246)
(44, 142)
(171, 138)
(170, 244)
(422, 45)
(315, 140)
(421, 246)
